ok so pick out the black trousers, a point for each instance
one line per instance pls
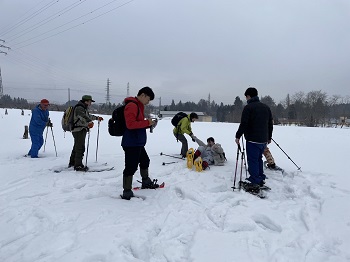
(135, 156)
(184, 146)
(76, 157)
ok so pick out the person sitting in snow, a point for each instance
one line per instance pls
(211, 153)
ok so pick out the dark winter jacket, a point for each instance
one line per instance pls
(256, 122)
(38, 120)
(136, 124)
(82, 117)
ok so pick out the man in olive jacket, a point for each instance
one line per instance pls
(82, 124)
(256, 125)
(182, 128)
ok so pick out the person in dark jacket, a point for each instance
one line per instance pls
(182, 128)
(256, 125)
(38, 122)
(82, 124)
(134, 141)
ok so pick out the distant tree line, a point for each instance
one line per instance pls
(314, 108)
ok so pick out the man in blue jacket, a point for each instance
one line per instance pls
(256, 125)
(38, 122)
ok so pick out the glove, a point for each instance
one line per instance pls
(90, 124)
(193, 137)
(155, 122)
(100, 118)
(49, 123)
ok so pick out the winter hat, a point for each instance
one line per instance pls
(251, 91)
(87, 98)
(44, 101)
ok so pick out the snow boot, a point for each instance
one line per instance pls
(81, 168)
(148, 183)
(127, 194)
(249, 187)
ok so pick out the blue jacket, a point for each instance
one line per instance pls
(136, 124)
(38, 121)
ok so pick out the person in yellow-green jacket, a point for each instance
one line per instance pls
(184, 127)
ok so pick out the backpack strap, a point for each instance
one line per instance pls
(74, 123)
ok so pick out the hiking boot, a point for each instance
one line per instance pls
(251, 187)
(70, 165)
(205, 165)
(196, 155)
(81, 168)
(262, 183)
(127, 194)
(272, 166)
(148, 183)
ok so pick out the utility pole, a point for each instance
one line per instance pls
(107, 89)
(209, 101)
(160, 104)
(1, 86)
(2, 52)
(127, 90)
(68, 96)
(3, 46)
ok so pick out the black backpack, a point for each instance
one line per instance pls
(117, 125)
(176, 119)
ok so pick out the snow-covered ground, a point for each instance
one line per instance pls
(73, 216)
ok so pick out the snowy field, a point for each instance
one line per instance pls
(72, 216)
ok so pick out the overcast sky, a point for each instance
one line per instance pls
(183, 49)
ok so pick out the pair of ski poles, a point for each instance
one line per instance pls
(53, 137)
(245, 165)
(243, 161)
(168, 163)
(88, 143)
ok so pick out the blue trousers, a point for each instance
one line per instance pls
(255, 162)
(37, 143)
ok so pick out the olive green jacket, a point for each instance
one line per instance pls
(82, 117)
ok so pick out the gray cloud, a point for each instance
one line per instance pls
(183, 49)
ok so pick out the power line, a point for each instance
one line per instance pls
(30, 17)
(47, 20)
(38, 66)
(72, 26)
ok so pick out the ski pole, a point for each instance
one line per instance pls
(286, 154)
(240, 177)
(47, 129)
(54, 143)
(234, 179)
(162, 154)
(168, 163)
(98, 135)
(87, 150)
(245, 162)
